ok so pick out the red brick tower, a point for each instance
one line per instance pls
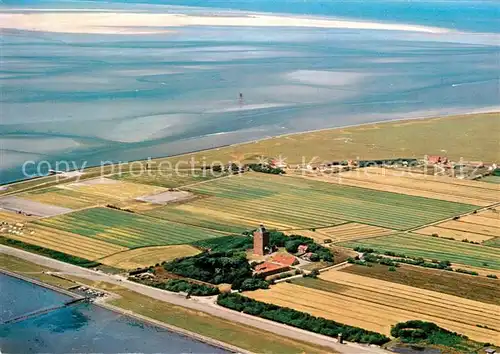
(260, 241)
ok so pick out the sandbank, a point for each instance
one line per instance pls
(140, 23)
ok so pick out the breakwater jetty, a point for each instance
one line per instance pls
(44, 311)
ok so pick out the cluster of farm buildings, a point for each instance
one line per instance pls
(274, 262)
(430, 164)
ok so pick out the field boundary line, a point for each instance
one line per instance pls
(320, 227)
(474, 212)
(209, 180)
(471, 232)
(475, 223)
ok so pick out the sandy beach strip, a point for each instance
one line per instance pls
(138, 23)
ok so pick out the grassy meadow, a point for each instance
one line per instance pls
(406, 138)
(32, 270)
(147, 256)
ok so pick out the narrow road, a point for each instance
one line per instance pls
(199, 304)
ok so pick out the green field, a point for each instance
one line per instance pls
(493, 242)
(491, 179)
(126, 229)
(294, 202)
(176, 214)
(434, 248)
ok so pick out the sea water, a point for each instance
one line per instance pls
(88, 98)
(81, 328)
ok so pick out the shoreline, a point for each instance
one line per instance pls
(124, 312)
(41, 284)
(240, 319)
(487, 111)
(177, 330)
(379, 122)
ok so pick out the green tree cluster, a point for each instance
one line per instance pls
(231, 243)
(276, 239)
(251, 284)
(257, 167)
(292, 243)
(370, 257)
(466, 271)
(415, 331)
(212, 267)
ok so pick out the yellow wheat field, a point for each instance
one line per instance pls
(376, 305)
(479, 270)
(490, 213)
(419, 185)
(486, 230)
(353, 231)
(65, 242)
(114, 191)
(144, 257)
(64, 198)
(12, 217)
(482, 220)
(474, 227)
(315, 235)
(93, 192)
(380, 186)
(440, 179)
(344, 232)
(455, 234)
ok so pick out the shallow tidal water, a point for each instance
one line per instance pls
(93, 98)
(82, 328)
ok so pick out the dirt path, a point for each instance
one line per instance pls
(200, 304)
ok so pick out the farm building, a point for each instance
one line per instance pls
(285, 259)
(302, 249)
(269, 268)
(435, 159)
(307, 256)
(278, 163)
